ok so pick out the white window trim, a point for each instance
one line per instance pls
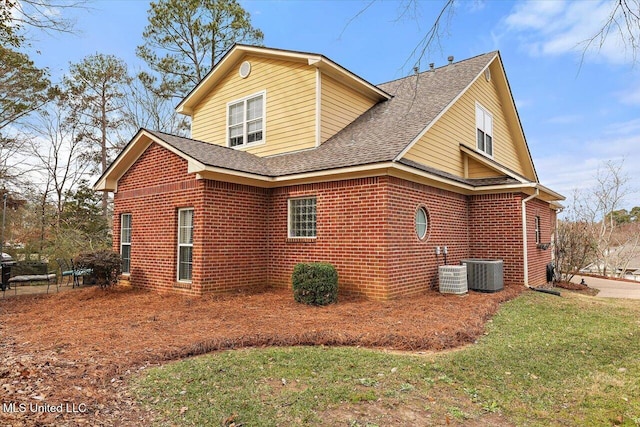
(122, 243)
(289, 235)
(180, 245)
(488, 113)
(537, 230)
(264, 121)
(426, 223)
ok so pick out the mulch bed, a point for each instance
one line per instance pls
(576, 287)
(80, 348)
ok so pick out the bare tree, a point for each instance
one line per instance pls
(95, 91)
(623, 21)
(591, 231)
(145, 108)
(627, 248)
(19, 16)
(575, 245)
(604, 198)
(57, 150)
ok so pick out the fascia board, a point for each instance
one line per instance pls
(239, 51)
(111, 175)
(131, 153)
(512, 104)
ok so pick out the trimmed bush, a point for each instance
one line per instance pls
(315, 283)
(104, 266)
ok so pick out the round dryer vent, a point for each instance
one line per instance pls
(245, 69)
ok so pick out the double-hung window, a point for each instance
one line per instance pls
(185, 244)
(245, 119)
(484, 129)
(537, 229)
(125, 242)
(302, 217)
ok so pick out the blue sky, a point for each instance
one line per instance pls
(576, 110)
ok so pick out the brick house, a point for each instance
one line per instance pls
(293, 158)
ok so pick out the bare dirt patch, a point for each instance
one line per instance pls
(74, 351)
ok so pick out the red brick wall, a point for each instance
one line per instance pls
(413, 265)
(365, 227)
(539, 258)
(151, 191)
(351, 230)
(232, 228)
(495, 231)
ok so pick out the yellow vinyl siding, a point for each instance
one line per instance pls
(439, 147)
(340, 106)
(478, 170)
(290, 108)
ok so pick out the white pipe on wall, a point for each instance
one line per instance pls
(525, 250)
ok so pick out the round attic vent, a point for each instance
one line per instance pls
(245, 69)
(487, 74)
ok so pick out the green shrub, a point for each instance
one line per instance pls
(104, 266)
(315, 283)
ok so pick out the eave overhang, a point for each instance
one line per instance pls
(510, 110)
(109, 180)
(490, 163)
(239, 51)
(128, 156)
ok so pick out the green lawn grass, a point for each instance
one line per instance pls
(544, 361)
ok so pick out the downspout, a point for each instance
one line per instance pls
(525, 251)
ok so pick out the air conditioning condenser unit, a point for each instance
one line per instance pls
(484, 275)
(452, 279)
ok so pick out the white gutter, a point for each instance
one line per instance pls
(525, 251)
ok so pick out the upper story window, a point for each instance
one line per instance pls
(484, 129)
(245, 119)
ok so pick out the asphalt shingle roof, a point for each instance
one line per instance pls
(215, 155)
(379, 135)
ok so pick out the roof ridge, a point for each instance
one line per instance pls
(439, 68)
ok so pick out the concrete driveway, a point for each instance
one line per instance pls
(611, 288)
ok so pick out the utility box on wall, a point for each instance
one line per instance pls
(484, 275)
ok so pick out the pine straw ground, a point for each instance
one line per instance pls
(80, 347)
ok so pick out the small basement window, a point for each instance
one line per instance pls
(422, 223)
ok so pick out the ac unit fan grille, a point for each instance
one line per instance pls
(453, 279)
(484, 275)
